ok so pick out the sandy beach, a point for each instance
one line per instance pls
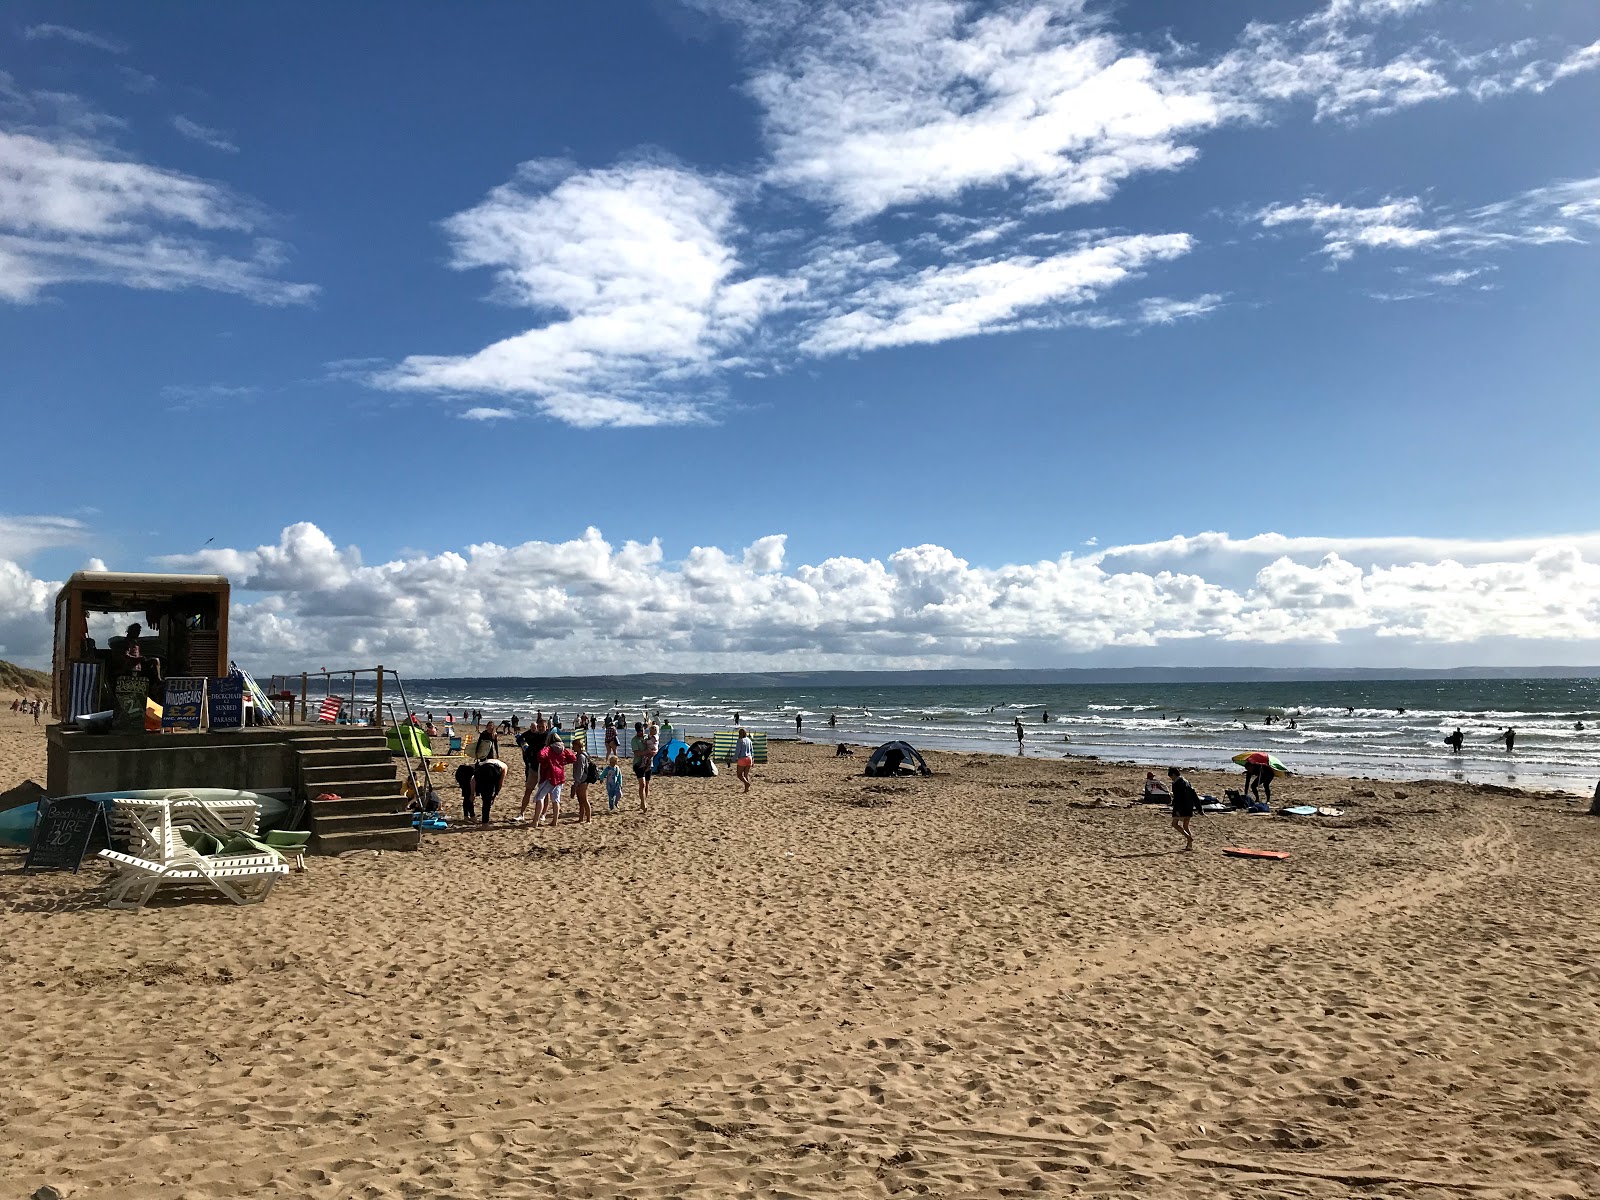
(1002, 980)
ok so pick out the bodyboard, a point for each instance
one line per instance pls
(1247, 852)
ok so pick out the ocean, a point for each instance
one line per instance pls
(1383, 729)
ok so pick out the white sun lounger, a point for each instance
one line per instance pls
(242, 878)
(158, 853)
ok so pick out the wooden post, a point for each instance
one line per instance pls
(303, 685)
(380, 692)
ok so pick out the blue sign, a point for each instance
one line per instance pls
(185, 700)
(225, 703)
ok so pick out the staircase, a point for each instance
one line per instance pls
(356, 765)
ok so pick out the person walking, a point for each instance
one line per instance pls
(1455, 739)
(1185, 803)
(1510, 737)
(1018, 721)
(553, 761)
(643, 757)
(744, 757)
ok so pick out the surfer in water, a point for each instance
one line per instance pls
(1455, 739)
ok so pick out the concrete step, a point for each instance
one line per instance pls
(352, 822)
(318, 779)
(366, 839)
(366, 740)
(351, 789)
(346, 806)
(334, 756)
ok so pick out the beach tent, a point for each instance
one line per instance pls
(668, 753)
(700, 763)
(407, 739)
(896, 758)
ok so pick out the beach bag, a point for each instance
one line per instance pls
(591, 773)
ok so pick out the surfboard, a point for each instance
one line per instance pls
(1299, 810)
(1247, 852)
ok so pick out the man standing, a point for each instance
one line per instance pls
(1510, 736)
(1185, 803)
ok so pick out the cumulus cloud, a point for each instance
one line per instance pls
(74, 209)
(587, 606)
(636, 263)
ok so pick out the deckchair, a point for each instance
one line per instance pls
(83, 690)
(329, 712)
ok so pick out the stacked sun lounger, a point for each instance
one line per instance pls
(182, 840)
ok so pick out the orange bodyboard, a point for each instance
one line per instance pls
(1247, 852)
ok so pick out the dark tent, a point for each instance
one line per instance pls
(896, 758)
(700, 758)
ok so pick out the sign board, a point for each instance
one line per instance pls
(185, 700)
(225, 702)
(128, 703)
(64, 833)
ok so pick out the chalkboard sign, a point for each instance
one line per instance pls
(128, 706)
(185, 699)
(225, 702)
(64, 832)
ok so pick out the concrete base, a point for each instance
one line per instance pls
(260, 759)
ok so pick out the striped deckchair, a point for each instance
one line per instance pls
(330, 709)
(83, 689)
(722, 746)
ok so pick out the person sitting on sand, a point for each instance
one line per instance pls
(1154, 789)
(1185, 803)
(843, 751)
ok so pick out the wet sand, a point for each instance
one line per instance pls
(1002, 980)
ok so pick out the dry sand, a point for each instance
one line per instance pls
(998, 981)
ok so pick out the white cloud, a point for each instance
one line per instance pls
(940, 303)
(67, 33)
(204, 134)
(1537, 76)
(586, 606)
(1163, 310)
(637, 263)
(1538, 217)
(21, 537)
(75, 210)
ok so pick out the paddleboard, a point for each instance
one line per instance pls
(1247, 852)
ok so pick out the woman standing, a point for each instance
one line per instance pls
(643, 757)
(580, 777)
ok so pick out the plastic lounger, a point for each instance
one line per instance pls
(243, 879)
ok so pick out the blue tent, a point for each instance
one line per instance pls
(669, 753)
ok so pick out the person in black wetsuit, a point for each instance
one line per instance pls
(1185, 803)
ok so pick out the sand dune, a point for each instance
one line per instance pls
(999, 981)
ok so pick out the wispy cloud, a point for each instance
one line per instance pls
(1540, 216)
(203, 134)
(67, 33)
(186, 396)
(75, 209)
(1163, 310)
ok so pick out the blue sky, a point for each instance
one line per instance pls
(860, 334)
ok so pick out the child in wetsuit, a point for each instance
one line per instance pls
(613, 781)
